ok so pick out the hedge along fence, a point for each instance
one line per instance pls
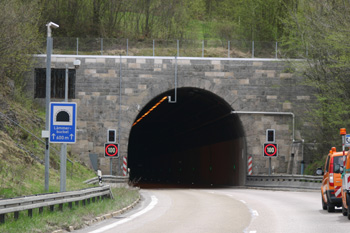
(15, 205)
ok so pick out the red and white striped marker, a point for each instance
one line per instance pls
(337, 191)
(125, 167)
(250, 165)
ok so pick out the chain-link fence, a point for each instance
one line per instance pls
(180, 48)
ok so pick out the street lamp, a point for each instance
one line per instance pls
(63, 165)
(48, 95)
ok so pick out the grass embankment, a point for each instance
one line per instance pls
(22, 171)
(75, 217)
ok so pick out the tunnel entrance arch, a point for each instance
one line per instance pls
(193, 141)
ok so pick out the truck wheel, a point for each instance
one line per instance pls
(324, 205)
(330, 207)
(344, 210)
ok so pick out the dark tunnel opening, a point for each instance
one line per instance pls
(193, 141)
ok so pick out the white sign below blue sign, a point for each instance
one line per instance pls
(347, 140)
(63, 122)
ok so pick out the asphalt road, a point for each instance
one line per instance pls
(226, 210)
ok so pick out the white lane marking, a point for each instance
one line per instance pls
(255, 213)
(150, 206)
(243, 201)
(252, 231)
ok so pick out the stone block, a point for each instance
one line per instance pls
(287, 105)
(286, 75)
(244, 81)
(214, 74)
(134, 65)
(303, 97)
(140, 60)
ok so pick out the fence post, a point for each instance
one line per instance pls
(228, 49)
(253, 49)
(203, 48)
(127, 47)
(177, 47)
(77, 46)
(276, 49)
(101, 46)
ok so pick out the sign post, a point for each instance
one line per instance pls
(111, 151)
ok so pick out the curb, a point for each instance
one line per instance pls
(102, 217)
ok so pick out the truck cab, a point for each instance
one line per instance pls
(331, 194)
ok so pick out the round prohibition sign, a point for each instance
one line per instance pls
(268, 150)
(111, 148)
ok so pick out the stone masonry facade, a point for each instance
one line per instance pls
(259, 85)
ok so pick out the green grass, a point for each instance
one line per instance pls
(76, 217)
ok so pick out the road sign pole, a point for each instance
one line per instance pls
(63, 164)
(269, 166)
(111, 166)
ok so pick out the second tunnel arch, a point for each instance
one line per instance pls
(193, 141)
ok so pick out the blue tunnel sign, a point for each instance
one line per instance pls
(63, 122)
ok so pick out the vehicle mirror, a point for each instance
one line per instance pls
(319, 171)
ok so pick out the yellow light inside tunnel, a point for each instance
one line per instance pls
(150, 110)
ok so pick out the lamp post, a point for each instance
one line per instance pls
(48, 96)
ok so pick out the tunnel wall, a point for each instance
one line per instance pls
(246, 84)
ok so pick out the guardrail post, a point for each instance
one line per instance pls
(84, 202)
(70, 205)
(52, 208)
(16, 215)
(2, 218)
(60, 207)
(30, 213)
(88, 201)
(77, 203)
(41, 209)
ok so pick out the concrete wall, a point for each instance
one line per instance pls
(246, 84)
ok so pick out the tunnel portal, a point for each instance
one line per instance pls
(193, 141)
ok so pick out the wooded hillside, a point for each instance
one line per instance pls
(320, 27)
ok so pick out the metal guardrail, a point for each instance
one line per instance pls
(109, 179)
(14, 205)
(285, 181)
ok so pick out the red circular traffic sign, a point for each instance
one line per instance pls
(111, 150)
(270, 149)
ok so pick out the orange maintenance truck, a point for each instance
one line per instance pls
(331, 182)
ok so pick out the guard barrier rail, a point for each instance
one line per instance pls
(15, 205)
(109, 179)
(285, 181)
